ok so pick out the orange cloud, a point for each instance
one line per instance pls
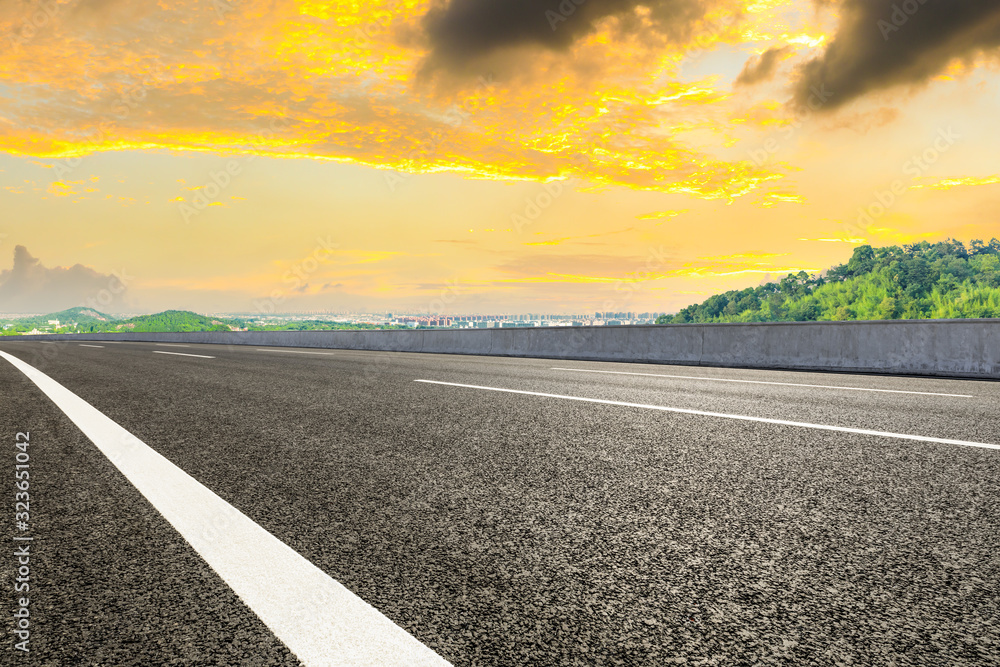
(659, 215)
(60, 189)
(296, 79)
(773, 197)
(855, 241)
(949, 183)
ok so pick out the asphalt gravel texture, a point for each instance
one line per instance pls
(511, 529)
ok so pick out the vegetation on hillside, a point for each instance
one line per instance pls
(919, 281)
(171, 320)
(88, 320)
(70, 320)
(81, 315)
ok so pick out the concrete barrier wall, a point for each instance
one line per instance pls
(956, 348)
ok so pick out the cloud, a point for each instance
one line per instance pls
(659, 215)
(949, 183)
(60, 189)
(863, 121)
(462, 30)
(579, 239)
(30, 287)
(854, 241)
(294, 83)
(880, 44)
(761, 68)
(775, 196)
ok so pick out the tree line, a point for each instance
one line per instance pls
(918, 281)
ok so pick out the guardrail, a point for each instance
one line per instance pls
(953, 348)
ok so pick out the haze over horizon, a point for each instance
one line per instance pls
(473, 157)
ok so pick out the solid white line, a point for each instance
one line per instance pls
(322, 622)
(171, 345)
(183, 354)
(85, 345)
(261, 349)
(785, 384)
(764, 420)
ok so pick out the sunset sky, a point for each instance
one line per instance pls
(475, 156)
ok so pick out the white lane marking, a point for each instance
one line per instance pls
(322, 622)
(763, 420)
(261, 349)
(64, 342)
(171, 345)
(785, 384)
(85, 345)
(183, 354)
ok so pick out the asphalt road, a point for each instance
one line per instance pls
(502, 528)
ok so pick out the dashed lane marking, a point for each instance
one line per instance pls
(183, 354)
(785, 384)
(763, 420)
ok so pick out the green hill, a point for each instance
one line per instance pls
(919, 281)
(80, 315)
(171, 321)
(70, 320)
(88, 320)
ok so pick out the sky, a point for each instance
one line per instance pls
(477, 156)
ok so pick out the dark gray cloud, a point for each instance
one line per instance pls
(460, 30)
(30, 287)
(884, 43)
(761, 68)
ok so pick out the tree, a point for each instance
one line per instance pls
(887, 309)
(862, 261)
(919, 280)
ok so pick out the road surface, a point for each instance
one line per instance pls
(494, 511)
